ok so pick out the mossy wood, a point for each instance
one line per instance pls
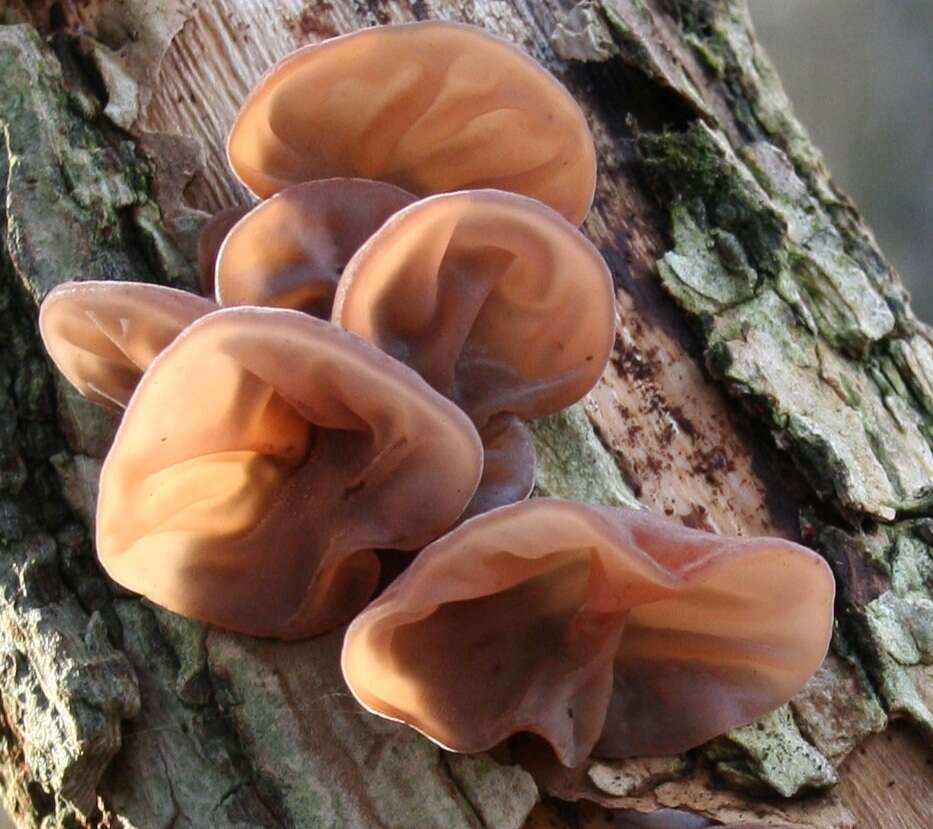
(768, 377)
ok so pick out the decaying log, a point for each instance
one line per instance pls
(768, 377)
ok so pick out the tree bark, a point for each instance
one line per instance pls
(768, 377)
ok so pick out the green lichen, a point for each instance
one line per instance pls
(790, 321)
(762, 110)
(771, 751)
(884, 581)
(573, 463)
(500, 796)
(904, 625)
(708, 272)
(708, 54)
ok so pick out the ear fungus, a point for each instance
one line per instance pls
(103, 335)
(263, 460)
(508, 465)
(497, 301)
(290, 250)
(493, 298)
(604, 631)
(431, 107)
(210, 240)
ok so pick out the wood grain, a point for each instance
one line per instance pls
(888, 781)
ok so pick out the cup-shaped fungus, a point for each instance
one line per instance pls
(605, 631)
(103, 335)
(263, 460)
(210, 240)
(431, 107)
(290, 250)
(497, 301)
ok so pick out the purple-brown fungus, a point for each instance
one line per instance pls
(264, 459)
(605, 631)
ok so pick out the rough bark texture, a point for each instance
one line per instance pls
(768, 377)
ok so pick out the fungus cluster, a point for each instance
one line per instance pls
(411, 289)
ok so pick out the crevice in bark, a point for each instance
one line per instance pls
(461, 793)
(253, 782)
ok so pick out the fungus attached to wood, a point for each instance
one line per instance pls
(605, 631)
(290, 250)
(210, 240)
(103, 335)
(431, 107)
(263, 460)
(497, 301)
(508, 465)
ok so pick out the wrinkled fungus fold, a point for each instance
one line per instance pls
(263, 460)
(494, 299)
(103, 335)
(508, 465)
(605, 631)
(431, 107)
(290, 250)
(499, 303)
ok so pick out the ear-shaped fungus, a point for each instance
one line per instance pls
(499, 303)
(508, 465)
(210, 240)
(604, 631)
(103, 335)
(431, 107)
(290, 250)
(264, 458)
(493, 298)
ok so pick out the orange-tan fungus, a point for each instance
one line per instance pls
(210, 240)
(291, 249)
(431, 107)
(497, 301)
(605, 631)
(103, 335)
(263, 460)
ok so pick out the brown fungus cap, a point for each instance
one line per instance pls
(103, 335)
(289, 251)
(264, 458)
(605, 631)
(431, 107)
(210, 240)
(498, 302)
(508, 465)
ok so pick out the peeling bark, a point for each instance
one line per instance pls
(768, 377)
